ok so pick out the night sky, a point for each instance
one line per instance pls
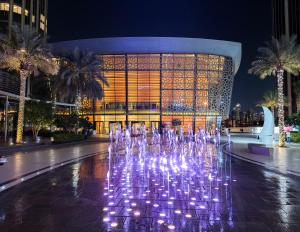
(245, 21)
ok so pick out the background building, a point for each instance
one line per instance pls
(243, 118)
(286, 20)
(33, 13)
(154, 81)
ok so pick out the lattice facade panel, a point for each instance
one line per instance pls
(226, 89)
(190, 86)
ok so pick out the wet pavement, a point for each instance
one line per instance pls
(285, 160)
(27, 164)
(149, 192)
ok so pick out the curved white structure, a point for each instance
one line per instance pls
(267, 133)
(142, 45)
(155, 80)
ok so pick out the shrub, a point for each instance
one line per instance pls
(295, 137)
(67, 137)
(45, 133)
(68, 123)
(293, 120)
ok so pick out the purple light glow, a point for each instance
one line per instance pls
(162, 214)
(171, 227)
(177, 211)
(106, 219)
(188, 215)
(136, 213)
(114, 224)
(187, 175)
(160, 221)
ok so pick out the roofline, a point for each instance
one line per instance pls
(127, 45)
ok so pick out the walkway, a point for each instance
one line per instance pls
(78, 197)
(284, 160)
(25, 165)
(29, 146)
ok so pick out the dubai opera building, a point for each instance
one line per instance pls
(157, 80)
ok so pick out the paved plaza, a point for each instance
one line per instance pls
(154, 188)
(25, 165)
(285, 160)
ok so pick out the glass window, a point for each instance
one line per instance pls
(191, 88)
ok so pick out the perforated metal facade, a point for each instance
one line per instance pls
(156, 88)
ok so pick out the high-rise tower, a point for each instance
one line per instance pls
(286, 21)
(33, 13)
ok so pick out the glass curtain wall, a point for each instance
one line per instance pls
(154, 89)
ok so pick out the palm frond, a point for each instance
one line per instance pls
(277, 54)
(81, 73)
(27, 49)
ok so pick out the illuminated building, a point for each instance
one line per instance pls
(33, 13)
(154, 80)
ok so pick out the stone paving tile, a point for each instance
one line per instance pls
(72, 199)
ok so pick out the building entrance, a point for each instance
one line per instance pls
(100, 129)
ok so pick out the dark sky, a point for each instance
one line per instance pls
(245, 21)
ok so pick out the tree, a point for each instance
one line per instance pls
(38, 114)
(275, 58)
(41, 88)
(69, 123)
(294, 119)
(270, 99)
(85, 123)
(80, 76)
(25, 53)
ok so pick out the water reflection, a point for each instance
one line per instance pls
(92, 168)
(169, 186)
(159, 187)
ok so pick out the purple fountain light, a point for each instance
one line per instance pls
(170, 180)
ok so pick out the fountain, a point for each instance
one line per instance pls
(171, 179)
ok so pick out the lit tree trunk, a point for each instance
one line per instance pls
(23, 78)
(35, 131)
(281, 141)
(78, 102)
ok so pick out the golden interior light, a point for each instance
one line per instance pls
(187, 82)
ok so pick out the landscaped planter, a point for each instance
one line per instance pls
(67, 137)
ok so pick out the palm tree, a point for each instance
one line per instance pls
(80, 76)
(275, 58)
(25, 53)
(270, 99)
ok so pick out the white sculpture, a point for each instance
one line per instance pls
(267, 133)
